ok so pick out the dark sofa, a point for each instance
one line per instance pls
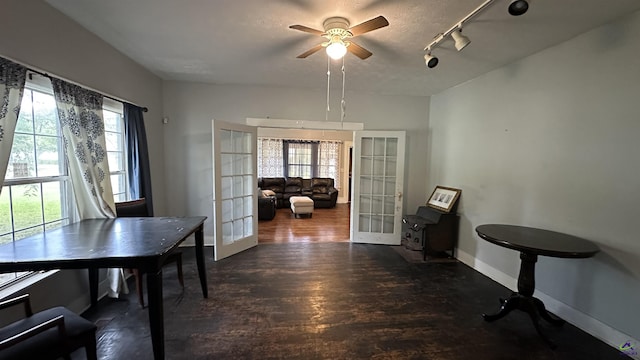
(320, 190)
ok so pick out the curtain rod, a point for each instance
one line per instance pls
(144, 109)
(42, 73)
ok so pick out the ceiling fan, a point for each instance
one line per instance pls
(337, 32)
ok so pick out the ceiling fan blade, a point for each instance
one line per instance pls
(358, 51)
(369, 25)
(311, 51)
(306, 29)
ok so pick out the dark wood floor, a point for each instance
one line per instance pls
(332, 301)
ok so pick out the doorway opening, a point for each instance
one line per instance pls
(325, 224)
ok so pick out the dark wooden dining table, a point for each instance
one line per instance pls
(531, 243)
(135, 243)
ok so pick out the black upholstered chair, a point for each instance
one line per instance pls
(138, 208)
(324, 195)
(47, 334)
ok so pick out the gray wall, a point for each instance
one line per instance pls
(552, 141)
(39, 36)
(190, 107)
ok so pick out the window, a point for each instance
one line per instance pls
(36, 184)
(114, 137)
(298, 158)
(37, 193)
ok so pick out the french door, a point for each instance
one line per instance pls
(235, 202)
(377, 187)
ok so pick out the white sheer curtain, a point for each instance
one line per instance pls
(329, 160)
(80, 116)
(270, 158)
(12, 79)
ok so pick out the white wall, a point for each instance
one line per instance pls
(190, 107)
(41, 37)
(552, 141)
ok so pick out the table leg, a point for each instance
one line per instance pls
(550, 318)
(509, 304)
(156, 313)
(93, 286)
(524, 300)
(202, 271)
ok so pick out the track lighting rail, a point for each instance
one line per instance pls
(516, 8)
(438, 39)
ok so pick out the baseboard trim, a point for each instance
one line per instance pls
(594, 327)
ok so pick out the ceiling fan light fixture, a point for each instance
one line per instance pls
(461, 41)
(518, 7)
(430, 60)
(336, 50)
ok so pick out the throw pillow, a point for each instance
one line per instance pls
(268, 193)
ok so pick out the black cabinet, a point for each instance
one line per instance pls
(439, 229)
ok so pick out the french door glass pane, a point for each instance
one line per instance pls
(226, 187)
(364, 223)
(226, 166)
(366, 146)
(227, 208)
(226, 142)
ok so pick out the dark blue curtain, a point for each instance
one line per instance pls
(137, 155)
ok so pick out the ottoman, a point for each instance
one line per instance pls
(301, 205)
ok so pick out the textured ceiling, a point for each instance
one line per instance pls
(249, 41)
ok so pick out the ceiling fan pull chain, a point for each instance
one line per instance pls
(343, 104)
(328, 86)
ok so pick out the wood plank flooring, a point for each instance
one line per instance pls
(325, 225)
(332, 300)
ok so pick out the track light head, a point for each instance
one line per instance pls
(461, 41)
(518, 7)
(430, 61)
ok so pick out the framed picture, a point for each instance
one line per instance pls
(443, 198)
